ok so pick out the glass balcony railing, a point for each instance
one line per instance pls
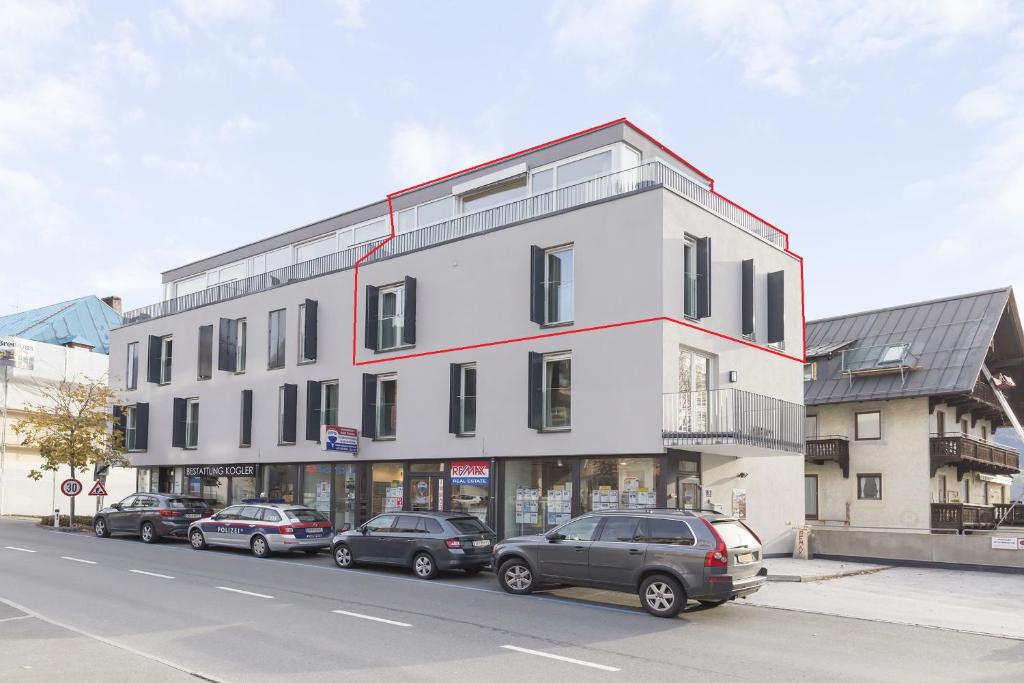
(643, 177)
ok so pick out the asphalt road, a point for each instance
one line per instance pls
(115, 609)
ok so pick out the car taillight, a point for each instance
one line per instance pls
(453, 542)
(170, 513)
(719, 557)
(752, 532)
(288, 530)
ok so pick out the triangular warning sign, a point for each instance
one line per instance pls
(98, 489)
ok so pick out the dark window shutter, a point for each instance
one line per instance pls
(141, 426)
(120, 422)
(371, 317)
(776, 307)
(704, 277)
(290, 404)
(309, 331)
(454, 387)
(312, 409)
(535, 404)
(206, 351)
(178, 428)
(153, 365)
(537, 285)
(227, 344)
(409, 314)
(245, 438)
(369, 406)
(748, 297)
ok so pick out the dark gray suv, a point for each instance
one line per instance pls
(666, 556)
(428, 542)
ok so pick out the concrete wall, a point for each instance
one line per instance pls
(972, 549)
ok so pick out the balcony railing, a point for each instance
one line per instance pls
(643, 177)
(732, 416)
(960, 516)
(970, 453)
(822, 449)
(1008, 514)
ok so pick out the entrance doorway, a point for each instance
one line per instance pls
(688, 493)
(425, 491)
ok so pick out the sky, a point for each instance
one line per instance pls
(886, 137)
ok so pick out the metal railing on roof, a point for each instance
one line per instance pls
(643, 177)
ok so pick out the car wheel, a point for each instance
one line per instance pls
(147, 533)
(100, 528)
(515, 576)
(712, 603)
(662, 596)
(260, 547)
(343, 557)
(196, 540)
(424, 567)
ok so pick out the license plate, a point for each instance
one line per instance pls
(192, 516)
(314, 531)
(745, 558)
(481, 544)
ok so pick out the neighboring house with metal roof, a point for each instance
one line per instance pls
(901, 414)
(83, 322)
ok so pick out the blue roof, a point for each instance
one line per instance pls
(84, 321)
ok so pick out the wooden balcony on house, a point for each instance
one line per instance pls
(968, 454)
(1008, 514)
(960, 516)
(822, 449)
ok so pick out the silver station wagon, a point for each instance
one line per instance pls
(263, 528)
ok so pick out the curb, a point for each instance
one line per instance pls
(807, 578)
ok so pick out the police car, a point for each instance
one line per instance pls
(263, 528)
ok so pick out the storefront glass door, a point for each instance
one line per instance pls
(316, 487)
(424, 490)
(345, 496)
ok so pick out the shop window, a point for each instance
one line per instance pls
(387, 492)
(214, 490)
(538, 495)
(345, 495)
(243, 489)
(279, 483)
(471, 482)
(869, 486)
(316, 488)
(868, 426)
(617, 484)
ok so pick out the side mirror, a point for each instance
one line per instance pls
(116, 506)
(364, 530)
(554, 536)
(345, 527)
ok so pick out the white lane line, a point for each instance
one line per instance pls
(20, 550)
(24, 616)
(367, 616)
(602, 667)
(255, 595)
(76, 559)
(159, 576)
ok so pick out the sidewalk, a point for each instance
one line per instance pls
(790, 570)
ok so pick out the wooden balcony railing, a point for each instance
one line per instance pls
(820, 450)
(1011, 515)
(968, 453)
(960, 516)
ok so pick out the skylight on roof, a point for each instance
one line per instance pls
(893, 353)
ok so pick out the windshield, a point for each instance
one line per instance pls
(735, 535)
(468, 525)
(305, 516)
(187, 503)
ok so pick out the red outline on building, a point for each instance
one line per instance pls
(561, 333)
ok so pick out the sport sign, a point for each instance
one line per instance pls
(71, 487)
(98, 489)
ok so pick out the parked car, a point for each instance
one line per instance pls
(665, 556)
(150, 516)
(427, 542)
(263, 528)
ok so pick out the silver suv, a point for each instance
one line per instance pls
(666, 556)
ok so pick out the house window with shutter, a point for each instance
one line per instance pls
(287, 402)
(689, 278)
(204, 363)
(550, 384)
(131, 374)
(307, 331)
(558, 276)
(241, 329)
(245, 420)
(166, 356)
(192, 423)
(390, 319)
(462, 404)
(329, 403)
(130, 427)
(387, 406)
(391, 302)
(276, 339)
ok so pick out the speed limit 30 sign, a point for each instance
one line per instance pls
(71, 487)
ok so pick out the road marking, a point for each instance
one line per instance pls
(255, 595)
(367, 616)
(159, 576)
(24, 616)
(560, 658)
(20, 550)
(76, 559)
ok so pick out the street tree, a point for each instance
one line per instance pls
(73, 426)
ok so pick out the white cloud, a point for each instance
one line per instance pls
(27, 29)
(49, 111)
(348, 14)
(122, 54)
(983, 105)
(165, 24)
(32, 216)
(179, 168)
(419, 153)
(605, 34)
(210, 12)
(239, 127)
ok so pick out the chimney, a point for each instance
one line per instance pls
(114, 302)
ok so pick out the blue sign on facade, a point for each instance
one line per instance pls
(340, 439)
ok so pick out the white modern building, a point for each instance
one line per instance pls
(582, 325)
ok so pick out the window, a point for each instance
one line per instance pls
(329, 403)
(434, 212)
(943, 495)
(810, 496)
(984, 433)
(285, 414)
(391, 304)
(558, 274)
(892, 354)
(192, 423)
(245, 420)
(543, 181)
(381, 523)
(940, 422)
(130, 428)
(241, 330)
(407, 524)
(668, 532)
(276, 339)
(619, 530)
(690, 278)
(131, 374)
(467, 399)
(370, 232)
(317, 248)
(811, 427)
(387, 406)
(868, 426)
(581, 529)
(270, 515)
(493, 195)
(810, 371)
(963, 428)
(869, 486)
(585, 168)
(303, 358)
(204, 360)
(557, 391)
(166, 354)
